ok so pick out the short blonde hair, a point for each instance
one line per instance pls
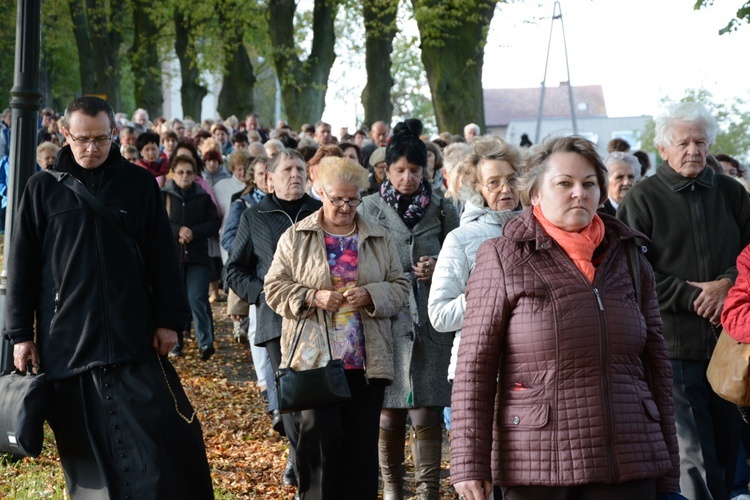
(239, 158)
(333, 170)
(50, 147)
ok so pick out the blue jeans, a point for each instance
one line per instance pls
(197, 278)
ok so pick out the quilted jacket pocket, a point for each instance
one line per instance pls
(525, 416)
(651, 409)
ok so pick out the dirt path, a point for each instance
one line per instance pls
(247, 458)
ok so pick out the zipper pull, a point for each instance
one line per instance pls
(57, 302)
(599, 299)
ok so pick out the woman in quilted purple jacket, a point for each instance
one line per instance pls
(562, 359)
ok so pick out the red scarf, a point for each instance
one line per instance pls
(578, 246)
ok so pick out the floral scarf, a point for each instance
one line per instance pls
(411, 208)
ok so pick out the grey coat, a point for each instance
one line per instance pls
(421, 359)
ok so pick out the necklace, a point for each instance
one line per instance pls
(342, 236)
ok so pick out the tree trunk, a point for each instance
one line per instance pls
(83, 42)
(98, 40)
(192, 92)
(453, 38)
(144, 59)
(303, 83)
(236, 96)
(380, 28)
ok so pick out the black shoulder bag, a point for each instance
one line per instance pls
(307, 389)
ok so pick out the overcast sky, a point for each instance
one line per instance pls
(638, 50)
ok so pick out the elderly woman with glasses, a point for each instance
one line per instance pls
(348, 269)
(491, 188)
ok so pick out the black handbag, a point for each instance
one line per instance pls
(299, 390)
(23, 403)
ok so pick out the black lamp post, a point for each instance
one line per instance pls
(25, 102)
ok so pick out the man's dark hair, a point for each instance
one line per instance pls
(239, 137)
(127, 128)
(90, 106)
(618, 144)
(644, 160)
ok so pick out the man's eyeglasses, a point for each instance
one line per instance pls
(495, 184)
(98, 142)
(340, 202)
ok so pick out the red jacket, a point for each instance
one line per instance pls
(585, 380)
(735, 318)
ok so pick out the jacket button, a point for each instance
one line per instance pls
(543, 245)
(516, 420)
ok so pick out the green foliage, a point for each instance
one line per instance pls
(733, 119)
(742, 15)
(8, 42)
(410, 93)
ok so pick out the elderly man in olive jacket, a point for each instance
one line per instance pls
(697, 222)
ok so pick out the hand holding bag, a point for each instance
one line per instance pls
(299, 390)
(729, 370)
(23, 402)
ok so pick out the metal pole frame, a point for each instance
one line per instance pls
(25, 102)
(556, 14)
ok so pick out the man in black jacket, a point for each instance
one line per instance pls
(99, 319)
(260, 228)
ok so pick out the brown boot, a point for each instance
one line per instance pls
(426, 447)
(391, 459)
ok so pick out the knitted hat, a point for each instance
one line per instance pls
(377, 156)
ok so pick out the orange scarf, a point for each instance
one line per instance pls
(578, 246)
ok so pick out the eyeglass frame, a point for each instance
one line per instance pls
(96, 142)
(342, 201)
(511, 183)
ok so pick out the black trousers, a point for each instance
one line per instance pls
(273, 347)
(643, 489)
(337, 450)
(119, 435)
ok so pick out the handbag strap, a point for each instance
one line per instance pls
(301, 325)
(80, 190)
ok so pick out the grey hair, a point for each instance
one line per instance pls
(627, 159)
(474, 127)
(454, 154)
(691, 112)
(486, 148)
(140, 111)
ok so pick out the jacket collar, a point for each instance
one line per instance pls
(269, 204)
(365, 229)
(171, 188)
(66, 162)
(526, 228)
(678, 182)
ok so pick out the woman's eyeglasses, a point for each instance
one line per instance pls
(495, 184)
(340, 202)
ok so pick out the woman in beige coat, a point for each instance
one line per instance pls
(350, 271)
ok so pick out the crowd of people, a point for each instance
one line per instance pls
(551, 309)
